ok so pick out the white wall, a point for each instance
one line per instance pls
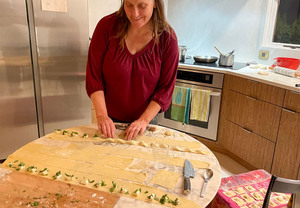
(203, 24)
(227, 24)
(99, 9)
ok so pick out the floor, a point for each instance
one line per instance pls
(229, 166)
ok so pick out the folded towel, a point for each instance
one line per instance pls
(180, 104)
(200, 103)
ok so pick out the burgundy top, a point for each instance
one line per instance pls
(129, 81)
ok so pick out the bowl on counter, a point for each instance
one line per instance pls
(290, 63)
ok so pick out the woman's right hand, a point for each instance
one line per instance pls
(106, 126)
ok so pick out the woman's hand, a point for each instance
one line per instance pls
(106, 126)
(135, 128)
(140, 125)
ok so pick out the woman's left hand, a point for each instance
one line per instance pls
(135, 128)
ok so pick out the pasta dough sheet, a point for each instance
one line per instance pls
(146, 141)
(81, 176)
(106, 165)
(85, 167)
(139, 165)
(95, 154)
(166, 179)
(101, 160)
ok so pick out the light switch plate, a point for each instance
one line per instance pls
(264, 55)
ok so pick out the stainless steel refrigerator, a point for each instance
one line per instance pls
(43, 56)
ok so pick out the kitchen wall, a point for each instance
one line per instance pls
(227, 24)
(101, 8)
(203, 24)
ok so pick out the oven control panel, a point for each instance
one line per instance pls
(195, 76)
(200, 77)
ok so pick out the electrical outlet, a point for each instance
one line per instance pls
(264, 55)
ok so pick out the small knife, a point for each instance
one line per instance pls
(124, 127)
(121, 126)
(188, 173)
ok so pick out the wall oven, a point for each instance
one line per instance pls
(198, 79)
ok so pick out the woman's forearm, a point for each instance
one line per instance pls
(98, 101)
(150, 112)
(105, 124)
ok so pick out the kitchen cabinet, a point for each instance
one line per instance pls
(254, 115)
(245, 144)
(287, 153)
(292, 101)
(259, 124)
(249, 120)
(257, 90)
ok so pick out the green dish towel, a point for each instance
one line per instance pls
(181, 104)
(200, 103)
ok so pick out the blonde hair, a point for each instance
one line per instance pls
(158, 18)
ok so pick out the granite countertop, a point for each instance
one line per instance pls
(247, 72)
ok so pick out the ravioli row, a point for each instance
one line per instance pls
(99, 140)
(164, 199)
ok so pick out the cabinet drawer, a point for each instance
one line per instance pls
(254, 115)
(257, 90)
(292, 101)
(250, 147)
(287, 154)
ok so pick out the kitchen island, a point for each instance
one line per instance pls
(119, 172)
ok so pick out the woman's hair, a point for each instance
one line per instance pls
(158, 18)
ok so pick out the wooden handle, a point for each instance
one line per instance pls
(187, 186)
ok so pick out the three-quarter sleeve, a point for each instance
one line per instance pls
(170, 57)
(97, 50)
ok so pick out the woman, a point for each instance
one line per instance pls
(132, 66)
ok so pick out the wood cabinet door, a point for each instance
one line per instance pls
(292, 101)
(257, 90)
(287, 154)
(250, 147)
(241, 110)
(253, 114)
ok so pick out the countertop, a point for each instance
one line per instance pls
(247, 72)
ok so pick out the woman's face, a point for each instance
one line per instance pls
(139, 12)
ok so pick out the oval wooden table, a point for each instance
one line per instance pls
(76, 167)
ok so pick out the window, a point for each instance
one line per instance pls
(282, 28)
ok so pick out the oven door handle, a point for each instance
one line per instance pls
(215, 94)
